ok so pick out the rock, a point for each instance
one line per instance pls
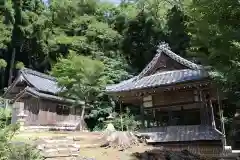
(75, 145)
(110, 128)
(50, 150)
(85, 158)
(41, 147)
(77, 138)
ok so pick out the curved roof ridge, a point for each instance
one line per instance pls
(150, 65)
(39, 74)
(159, 79)
(164, 48)
(171, 71)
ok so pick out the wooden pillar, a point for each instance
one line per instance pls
(170, 121)
(72, 113)
(212, 114)
(121, 116)
(142, 117)
(221, 119)
(41, 113)
(207, 111)
(202, 109)
(147, 103)
(154, 118)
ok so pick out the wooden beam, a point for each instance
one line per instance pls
(142, 117)
(172, 104)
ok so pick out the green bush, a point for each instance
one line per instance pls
(128, 121)
(24, 152)
(5, 117)
(10, 150)
(99, 127)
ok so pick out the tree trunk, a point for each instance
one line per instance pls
(83, 111)
(11, 67)
(82, 116)
(2, 80)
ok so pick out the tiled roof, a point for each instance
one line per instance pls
(35, 93)
(42, 82)
(159, 79)
(39, 84)
(182, 133)
(164, 48)
(144, 80)
(47, 96)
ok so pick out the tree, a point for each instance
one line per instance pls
(81, 77)
(215, 37)
(27, 42)
(40, 34)
(3, 65)
(141, 37)
(214, 34)
(177, 35)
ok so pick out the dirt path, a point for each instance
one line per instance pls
(89, 143)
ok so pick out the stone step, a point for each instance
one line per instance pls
(71, 158)
(53, 146)
(57, 155)
(49, 128)
(56, 141)
(60, 152)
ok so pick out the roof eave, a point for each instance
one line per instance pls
(37, 94)
(19, 78)
(206, 79)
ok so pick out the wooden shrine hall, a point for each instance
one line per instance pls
(178, 103)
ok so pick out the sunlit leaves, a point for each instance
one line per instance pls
(214, 30)
(80, 75)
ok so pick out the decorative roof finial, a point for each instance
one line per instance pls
(163, 45)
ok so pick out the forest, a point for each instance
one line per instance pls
(87, 44)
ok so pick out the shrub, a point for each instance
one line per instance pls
(128, 121)
(5, 117)
(10, 150)
(24, 152)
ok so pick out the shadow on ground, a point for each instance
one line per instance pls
(158, 154)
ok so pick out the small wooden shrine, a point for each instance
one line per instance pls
(177, 103)
(35, 97)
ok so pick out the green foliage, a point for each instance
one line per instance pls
(214, 31)
(123, 37)
(177, 35)
(13, 151)
(6, 135)
(81, 76)
(19, 65)
(5, 117)
(99, 127)
(90, 35)
(141, 37)
(127, 120)
(3, 64)
(23, 152)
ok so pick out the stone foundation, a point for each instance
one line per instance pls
(200, 148)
